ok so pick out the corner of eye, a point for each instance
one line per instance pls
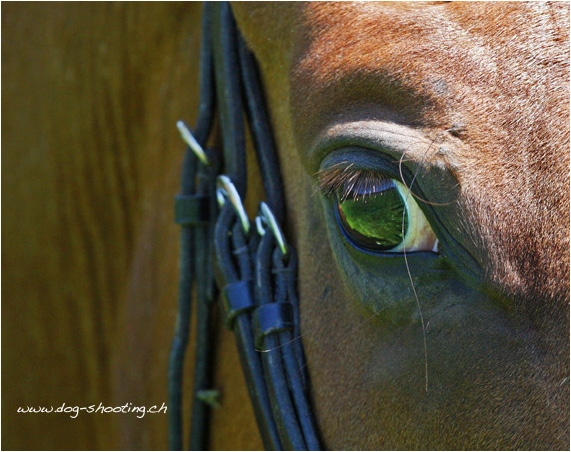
(320, 190)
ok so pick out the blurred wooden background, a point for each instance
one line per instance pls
(90, 160)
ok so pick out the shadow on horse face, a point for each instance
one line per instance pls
(468, 106)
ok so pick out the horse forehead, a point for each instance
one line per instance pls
(501, 68)
(330, 30)
(439, 63)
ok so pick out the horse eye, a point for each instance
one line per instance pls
(386, 218)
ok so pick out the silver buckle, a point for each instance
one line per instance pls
(191, 142)
(226, 189)
(265, 216)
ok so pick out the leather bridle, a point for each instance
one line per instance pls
(222, 252)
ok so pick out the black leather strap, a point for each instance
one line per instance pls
(197, 182)
(229, 94)
(262, 135)
(237, 274)
(191, 210)
(276, 378)
(257, 279)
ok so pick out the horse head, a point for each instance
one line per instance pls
(459, 338)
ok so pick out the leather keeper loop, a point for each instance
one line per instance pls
(271, 318)
(191, 209)
(237, 298)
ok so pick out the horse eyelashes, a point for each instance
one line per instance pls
(348, 182)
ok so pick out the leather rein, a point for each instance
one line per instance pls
(223, 253)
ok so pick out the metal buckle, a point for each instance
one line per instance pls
(189, 139)
(226, 189)
(266, 216)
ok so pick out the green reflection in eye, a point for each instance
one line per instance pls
(375, 220)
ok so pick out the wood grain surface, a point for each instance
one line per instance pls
(90, 164)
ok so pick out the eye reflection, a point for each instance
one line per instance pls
(375, 220)
(384, 218)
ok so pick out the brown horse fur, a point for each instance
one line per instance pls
(91, 160)
(484, 88)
